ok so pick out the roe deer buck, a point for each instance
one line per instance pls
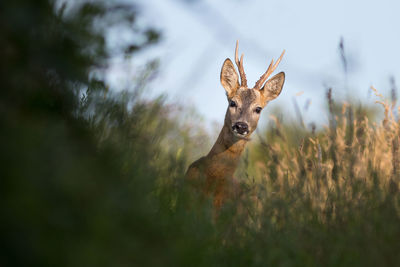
(214, 172)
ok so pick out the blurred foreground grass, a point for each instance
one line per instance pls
(90, 177)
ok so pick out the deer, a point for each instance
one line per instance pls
(214, 173)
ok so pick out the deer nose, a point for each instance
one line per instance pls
(240, 127)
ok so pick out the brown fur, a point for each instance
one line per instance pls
(214, 173)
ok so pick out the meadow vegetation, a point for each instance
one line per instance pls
(94, 177)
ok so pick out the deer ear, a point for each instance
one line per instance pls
(229, 78)
(273, 87)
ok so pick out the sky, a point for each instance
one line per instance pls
(198, 35)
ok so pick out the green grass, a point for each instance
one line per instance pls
(90, 177)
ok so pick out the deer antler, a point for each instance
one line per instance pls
(270, 69)
(239, 64)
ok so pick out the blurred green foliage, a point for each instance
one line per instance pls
(93, 177)
(79, 164)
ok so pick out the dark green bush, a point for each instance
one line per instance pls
(92, 177)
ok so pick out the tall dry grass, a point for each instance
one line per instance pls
(327, 196)
(96, 179)
(350, 154)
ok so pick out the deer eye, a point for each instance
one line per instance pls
(258, 110)
(232, 104)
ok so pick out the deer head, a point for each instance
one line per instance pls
(246, 104)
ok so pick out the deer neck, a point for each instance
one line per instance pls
(224, 156)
